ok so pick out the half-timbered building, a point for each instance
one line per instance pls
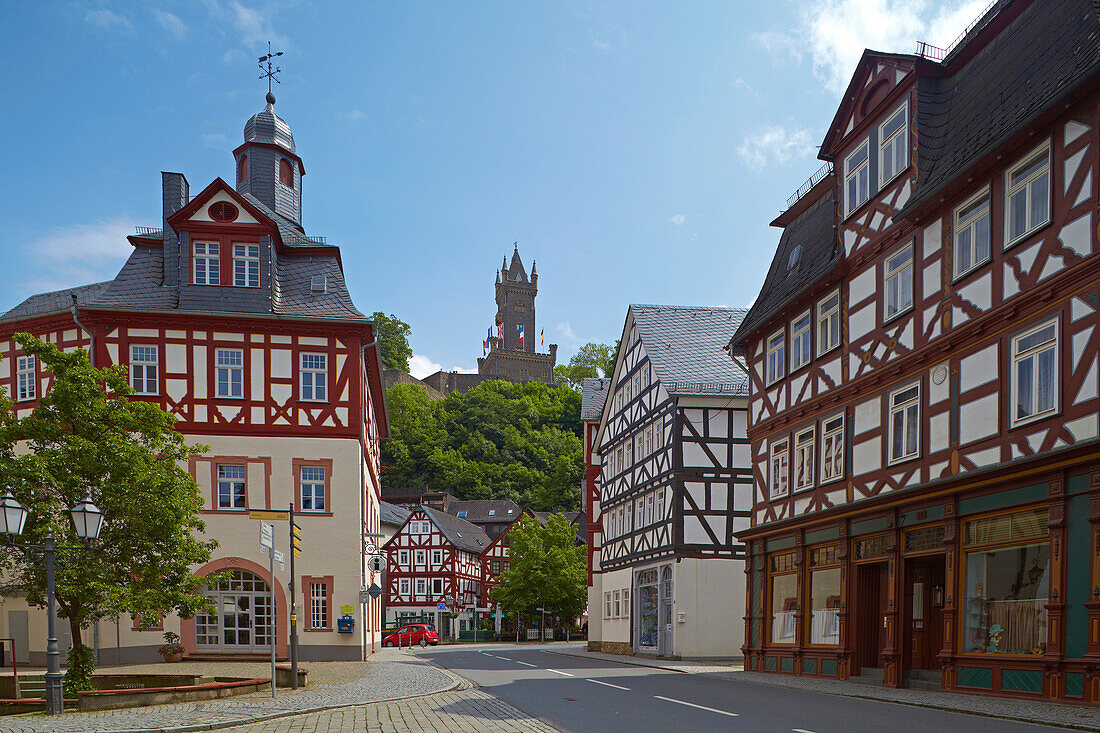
(674, 487)
(434, 571)
(923, 359)
(233, 319)
(594, 392)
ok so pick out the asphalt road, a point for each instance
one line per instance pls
(581, 695)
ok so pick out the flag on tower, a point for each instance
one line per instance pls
(500, 333)
(520, 336)
(542, 337)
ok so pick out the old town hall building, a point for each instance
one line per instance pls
(924, 366)
(233, 319)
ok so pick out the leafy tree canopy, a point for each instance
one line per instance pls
(87, 438)
(497, 440)
(547, 570)
(393, 340)
(591, 360)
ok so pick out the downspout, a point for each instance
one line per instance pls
(363, 507)
(91, 337)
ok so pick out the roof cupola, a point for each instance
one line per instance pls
(268, 166)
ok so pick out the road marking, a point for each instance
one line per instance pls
(506, 659)
(563, 674)
(800, 730)
(608, 684)
(525, 664)
(693, 705)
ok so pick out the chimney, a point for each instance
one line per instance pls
(175, 195)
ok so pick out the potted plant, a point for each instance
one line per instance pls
(172, 651)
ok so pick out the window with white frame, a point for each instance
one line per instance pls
(857, 177)
(231, 492)
(27, 383)
(776, 357)
(804, 460)
(832, 449)
(437, 586)
(403, 558)
(616, 602)
(1035, 372)
(828, 322)
(1027, 195)
(800, 341)
(628, 519)
(904, 423)
(607, 604)
(778, 468)
(206, 264)
(318, 606)
(403, 586)
(143, 369)
(971, 233)
(437, 557)
(649, 510)
(897, 277)
(246, 265)
(893, 147)
(229, 372)
(626, 602)
(421, 586)
(313, 488)
(420, 557)
(660, 505)
(314, 377)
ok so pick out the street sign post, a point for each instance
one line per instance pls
(269, 514)
(375, 590)
(364, 596)
(295, 552)
(267, 535)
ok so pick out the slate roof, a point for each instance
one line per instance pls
(461, 533)
(291, 234)
(139, 284)
(392, 514)
(1047, 52)
(814, 232)
(292, 294)
(54, 301)
(477, 510)
(686, 347)
(593, 395)
(267, 127)
(577, 519)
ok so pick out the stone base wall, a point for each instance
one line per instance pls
(611, 647)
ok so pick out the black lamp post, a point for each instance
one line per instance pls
(87, 520)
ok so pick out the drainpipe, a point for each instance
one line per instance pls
(363, 509)
(91, 337)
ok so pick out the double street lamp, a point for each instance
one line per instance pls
(87, 519)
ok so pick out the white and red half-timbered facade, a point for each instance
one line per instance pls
(924, 369)
(674, 486)
(434, 571)
(594, 391)
(238, 323)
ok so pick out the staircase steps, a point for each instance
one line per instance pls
(868, 676)
(31, 686)
(925, 679)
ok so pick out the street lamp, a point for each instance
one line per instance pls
(87, 519)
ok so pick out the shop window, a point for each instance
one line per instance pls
(784, 598)
(1007, 584)
(824, 595)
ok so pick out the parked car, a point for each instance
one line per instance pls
(422, 634)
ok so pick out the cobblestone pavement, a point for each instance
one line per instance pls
(388, 675)
(463, 710)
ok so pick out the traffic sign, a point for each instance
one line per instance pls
(441, 606)
(376, 564)
(271, 514)
(375, 590)
(296, 540)
(267, 535)
(364, 596)
(280, 558)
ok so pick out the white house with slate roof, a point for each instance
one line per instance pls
(238, 323)
(675, 487)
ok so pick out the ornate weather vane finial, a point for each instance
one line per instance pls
(269, 73)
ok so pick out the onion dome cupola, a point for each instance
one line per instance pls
(268, 167)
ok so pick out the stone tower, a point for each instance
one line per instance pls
(268, 166)
(516, 304)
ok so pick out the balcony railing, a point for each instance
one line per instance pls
(935, 53)
(812, 181)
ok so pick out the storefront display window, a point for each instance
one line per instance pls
(784, 600)
(824, 596)
(647, 609)
(1007, 585)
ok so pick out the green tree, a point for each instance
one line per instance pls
(393, 340)
(547, 570)
(497, 440)
(87, 438)
(591, 360)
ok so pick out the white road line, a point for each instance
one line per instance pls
(525, 664)
(800, 730)
(693, 705)
(563, 674)
(608, 684)
(506, 659)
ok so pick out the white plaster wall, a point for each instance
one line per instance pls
(613, 629)
(711, 594)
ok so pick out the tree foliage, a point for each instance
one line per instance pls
(393, 340)
(497, 440)
(591, 360)
(547, 570)
(87, 438)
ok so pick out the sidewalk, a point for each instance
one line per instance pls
(390, 674)
(1029, 711)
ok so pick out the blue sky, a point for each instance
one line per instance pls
(636, 150)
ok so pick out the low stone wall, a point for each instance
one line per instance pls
(611, 647)
(139, 681)
(114, 699)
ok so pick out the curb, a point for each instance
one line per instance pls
(456, 682)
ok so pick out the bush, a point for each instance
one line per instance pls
(80, 664)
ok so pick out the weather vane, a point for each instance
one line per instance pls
(267, 72)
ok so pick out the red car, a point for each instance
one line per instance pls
(422, 634)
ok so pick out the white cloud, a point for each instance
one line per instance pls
(108, 20)
(233, 56)
(740, 83)
(834, 33)
(216, 140)
(170, 22)
(775, 143)
(569, 339)
(255, 27)
(80, 254)
(677, 219)
(421, 366)
(463, 370)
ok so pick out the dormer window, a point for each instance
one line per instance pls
(242, 168)
(286, 173)
(206, 263)
(246, 265)
(893, 151)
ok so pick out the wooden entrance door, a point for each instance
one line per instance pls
(924, 598)
(870, 604)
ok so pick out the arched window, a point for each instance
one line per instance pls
(286, 173)
(242, 168)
